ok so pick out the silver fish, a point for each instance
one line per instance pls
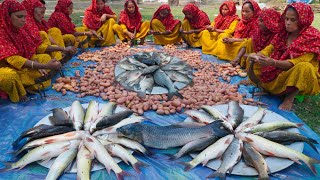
(77, 115)
(253, 120)
(179, 77)
(106, 110)
(235, 113)
(271, 126)
(162, 79)
(60, 118)
(91, 114)
(136, 62)
(199, 116)
(150, 69)
(84, 162)
(145, 84)
(126, 65)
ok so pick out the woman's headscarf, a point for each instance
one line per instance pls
(223, 22)
(60, 18)
(199, 18)
(132, 21)
(308, 41)
(246, 26)
(30, 7)
(271, 19)
(92, 15)
(169, 22)
(14, 41)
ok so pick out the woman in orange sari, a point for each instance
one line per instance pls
(290, 64)
(19, 63)
(164, 27)
(228, 48)
(194, 23)
(60, 18)
(269, 26)
(131, 26)
(100, 18)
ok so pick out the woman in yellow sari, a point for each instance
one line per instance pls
(19, 63)
(100, 18)
(131, 27)
(194, 23)
(164, 27)
(290, 64)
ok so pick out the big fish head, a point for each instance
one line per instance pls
(131, 131)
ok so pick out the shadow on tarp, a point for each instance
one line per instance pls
(17, 117)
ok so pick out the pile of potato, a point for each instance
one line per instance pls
(98, 80)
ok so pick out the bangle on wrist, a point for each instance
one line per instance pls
(32, 64)
(84, 33)
(275, 63)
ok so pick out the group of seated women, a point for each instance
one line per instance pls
(280, 52)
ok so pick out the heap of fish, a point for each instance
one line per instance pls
(143, 71)
(81, 135)
(229, 137)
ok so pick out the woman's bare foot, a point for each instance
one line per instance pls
(287, 103)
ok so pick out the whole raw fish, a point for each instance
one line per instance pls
(106, 110)
(162, 79)
(91, 114)
(271, 126)
(235, 113)
(253, 120)
(77, 115)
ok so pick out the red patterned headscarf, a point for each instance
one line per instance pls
(199, 18)
(308, 41)
(30, 6)
(92, 15)
(60, 18)
(132, 21)
(261, 38)
(223, 22)
(245, 27)
(169, 22)
(14, 41)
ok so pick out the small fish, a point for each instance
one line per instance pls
(235, 113)
(286, 137)
(77, 115)
(253, 120)
(31, 131)
(253, 158)
(113, 119)
(271, 126)
(270, 148)
(60, 118)
(162, 79)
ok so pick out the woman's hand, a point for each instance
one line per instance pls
(211, 28)
(266, 61)
(70, 49)
(131, 35)
(43, 72)
(103, 18)
(228, 40)
(53, 65)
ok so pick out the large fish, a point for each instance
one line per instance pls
(43, 152)
(55, 130)
(229, 159)
(271, 126)
(119, 151)
(212, 152)
(235, 113)
(77, 115)
(132, 78)
(31, 131)
(253, 120)
(145, 84)
(253, 158)
(106, 110)
(61, 163)
(84, 162)
(162, 79)
(163, 137)
(91, 114)
(60, 118)
(286, 137)
(270, 148)
(113, 119)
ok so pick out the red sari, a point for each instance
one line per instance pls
(60, 18)
(261, 38)
(14, 41)
(92, 15)
(169, 22)
(223, 22)
(199, 20)
(245, 27)
(307, 42)
(132, 21)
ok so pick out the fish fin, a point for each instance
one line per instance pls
(175, 93)
(121, 174)
(205, 162)
(310, 163)
(269, 153)
(45, 154)
(46, 160)
(142, 94)
(221, 175)
(248, 139)
(136, 166)
(188, 166)
(8, 167)
(299, 124)
(49, 141)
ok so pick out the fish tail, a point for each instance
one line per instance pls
(174, 156)
(187, 166)
(16, 142)
(311, 142)
(175, 93)
(310, 162)
(122, 174)
(136, 166)
(142, 94)
(219, 174)
(8, 167)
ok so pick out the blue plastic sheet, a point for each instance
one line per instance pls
(17, 117)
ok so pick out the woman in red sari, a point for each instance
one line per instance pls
(60, 18)
(228, 48)
(19, 63)
(131, 26)
(269, 25)
(100, 18)
(290, 64)
(195, 21)
(164, 27)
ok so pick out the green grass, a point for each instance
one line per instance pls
(308, 110)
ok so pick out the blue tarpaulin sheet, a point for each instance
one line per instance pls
(18, 117)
